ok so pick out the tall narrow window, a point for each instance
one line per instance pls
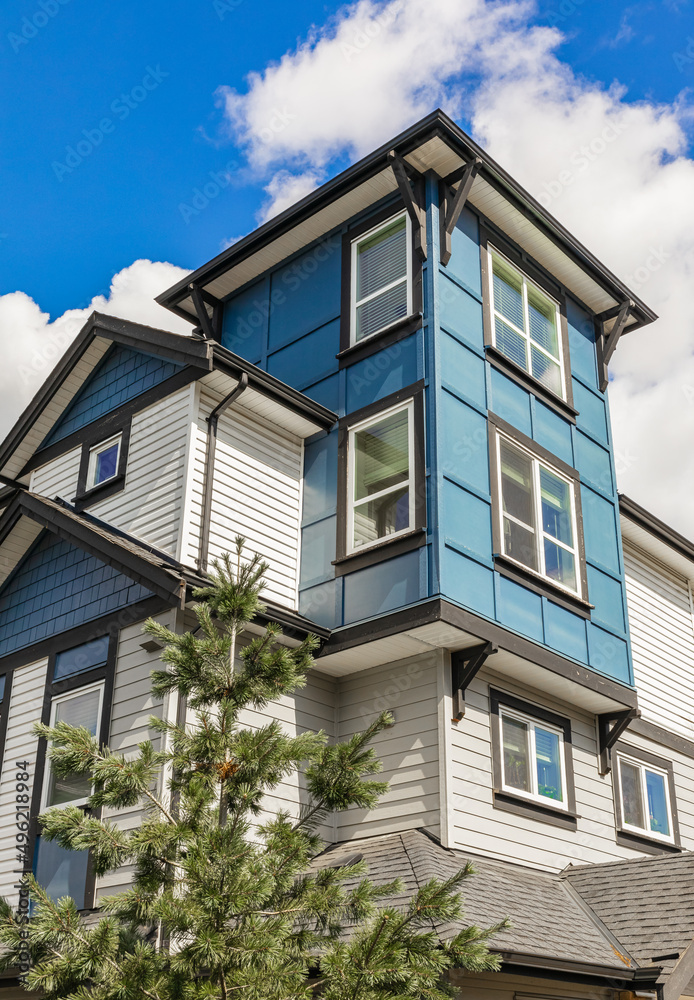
(538, 516)
(381, 473)
(532, 759)
(645, 796)
(526, 324)
(78, 708)
(381, 282)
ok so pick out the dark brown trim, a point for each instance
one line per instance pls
(666, 739)
(85, 498)
(581, 605)
(503, 797)
(645, 845)
(540, 585)
(438, 609)
(348, 562)
(523, 964)
(380, 341)
(527, 266)
(621, 749)
(663, 532)
(5, 711)
(108, 425)
(348, 238)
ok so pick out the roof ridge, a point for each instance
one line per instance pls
(624, 862)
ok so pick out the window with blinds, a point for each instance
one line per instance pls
(380, 472)
(532, 759)
(381, 282)
(538, 516)
(526, 324)
(80, 708)
(645, 799)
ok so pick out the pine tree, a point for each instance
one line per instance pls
(224, 901)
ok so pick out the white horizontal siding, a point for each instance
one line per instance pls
(26, 704)
(58, 478)
(476, 825)
(257, 494)
(409, 750)
(662, 642)
(151, 504)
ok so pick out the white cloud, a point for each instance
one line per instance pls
(31, 345)
(615, 172)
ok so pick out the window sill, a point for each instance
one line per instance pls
(526, 381)
(100, 492)
(646, 844)
(378, 341)
(535, 810)
(387, 549)
(508, 568)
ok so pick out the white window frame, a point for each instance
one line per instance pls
(351, 504)
(537, 528)
(94, 453)
(534, 795)
(55, 701)
(642, 768)
(353, 289)
(492, 252)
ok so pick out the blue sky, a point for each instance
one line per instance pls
(65, 233)
(113, 116)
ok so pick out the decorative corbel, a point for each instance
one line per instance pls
(452, 204)
(611, 725)
(416, 214)
(466, 664)
(608, 341)
(209, 322)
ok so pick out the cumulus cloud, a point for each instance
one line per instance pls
(614, 171)
(31, 345)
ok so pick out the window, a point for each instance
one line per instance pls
(381, 282)
(532, 759)
(537, 516)
(78, 708)
(381, 471)
(645, 798)
(103, 462)
(526, 324)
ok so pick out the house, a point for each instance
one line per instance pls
(396, 391)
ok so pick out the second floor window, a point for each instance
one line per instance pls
(538, 516)
(103, 462)
(526, 324)
(381, 474)
(381, 277)
(532, 759)
(645, 798)
(78, 708)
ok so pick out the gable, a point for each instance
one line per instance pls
(121, 375)
(58, 586)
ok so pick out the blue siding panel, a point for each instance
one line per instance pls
(305, 294)
(520, 609)
(318, 551)
(320, 477)
(606, 594)
(460, 313)
(581, 343)
(465, 251)
(56, 587)
(121, 375)
(326, 392)
(463, 443)
(467, 582)
(307, 360)
(382, 587)
(608, 654)
(552, 432)
(565, 632)
(321, 604)
(383, 373)
(244, 327)
(467, 522)
(600, 530)
(510, 402)
(462, 371)
(593, 463)
(591, 410)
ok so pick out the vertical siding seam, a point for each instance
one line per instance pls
(184, 531)
(446, 824)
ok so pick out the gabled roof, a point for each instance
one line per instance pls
(200, 358)
(435, 143)
(551, 927)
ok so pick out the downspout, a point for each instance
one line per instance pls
(213, 421)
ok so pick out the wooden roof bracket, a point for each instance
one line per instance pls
(416, 213)
(466, 664)
(607, 342)
(452, 203)
(611, 725)
(209, 325)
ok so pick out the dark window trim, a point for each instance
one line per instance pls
(505, 799)
(640, 840)
(86, 497)
(385, 548)
(4, 712)
(671, 741)
(107, 425)
(514, 372)
(64, 686)
(541, 584)
(350, 353)
(564, 406)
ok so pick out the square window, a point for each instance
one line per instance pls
(78, 708)
(537, 515)
(381, 279)
(645, 798)
(532, 758)
(103, 462)
(381, 478)
(526, 324)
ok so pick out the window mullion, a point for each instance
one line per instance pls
(644, 795)
(539, 531)
(532, 763)
(526, 322)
